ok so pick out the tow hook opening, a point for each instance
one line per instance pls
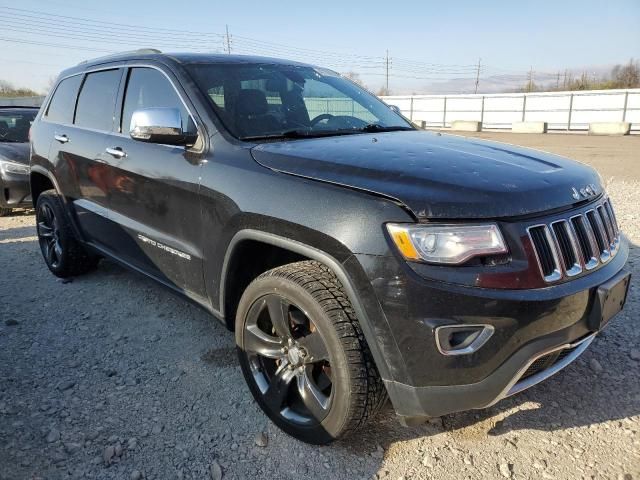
(462, 339)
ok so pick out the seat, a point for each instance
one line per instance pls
(22, 129)
(252, 114)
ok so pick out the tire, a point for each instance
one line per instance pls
(63, 253)
(312, 374)
(4, 211)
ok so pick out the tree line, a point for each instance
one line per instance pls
(8, 90)
(620, 76)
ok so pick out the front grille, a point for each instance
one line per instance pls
(567, 247)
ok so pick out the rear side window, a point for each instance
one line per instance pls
(64, 100)
(97, 100)
(149, 88)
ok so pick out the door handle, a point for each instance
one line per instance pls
(116, 152)
(61, 138)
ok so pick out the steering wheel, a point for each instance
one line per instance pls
(321, 117)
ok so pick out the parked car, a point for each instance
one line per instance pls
(14, 157)
(355, 256)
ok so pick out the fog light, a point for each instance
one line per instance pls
(462, 339)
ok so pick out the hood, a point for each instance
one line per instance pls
(15, 152)
(436, 175)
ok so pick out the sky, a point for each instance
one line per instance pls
(433, 47)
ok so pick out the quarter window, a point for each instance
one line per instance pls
(97, 100)
(63, 102)
(149, 88)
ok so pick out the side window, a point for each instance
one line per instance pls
(149, 88)
(63, 102)
(97, 100)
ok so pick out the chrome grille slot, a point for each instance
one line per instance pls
(545, 252)
(567, 247)
(604, 218)
(598, 230)
(586, 240)
(612, 216)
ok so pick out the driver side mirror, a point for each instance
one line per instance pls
(160, 125)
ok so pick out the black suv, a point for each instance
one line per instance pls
(355, 257)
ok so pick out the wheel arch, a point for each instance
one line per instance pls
(41, 180)
(298, 251)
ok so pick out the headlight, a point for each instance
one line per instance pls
(15, 168)
(449, 244)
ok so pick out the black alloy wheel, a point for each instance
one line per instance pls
(289, 360)
(49, 235)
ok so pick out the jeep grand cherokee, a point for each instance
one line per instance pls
(355, 256)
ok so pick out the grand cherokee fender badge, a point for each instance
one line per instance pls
(164, 247)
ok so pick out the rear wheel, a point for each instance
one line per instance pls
(303, 354)
(62, 252)
(4, 211)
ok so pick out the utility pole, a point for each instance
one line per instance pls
(477, 76)
(228, 40)
(386, 90)
(530, 82)
(558, 81)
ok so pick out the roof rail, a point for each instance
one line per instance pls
(146, 51)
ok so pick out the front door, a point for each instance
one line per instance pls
(154, 203)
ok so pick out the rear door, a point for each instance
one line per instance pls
(155, 204)
(78, 146)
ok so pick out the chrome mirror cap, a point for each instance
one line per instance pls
(159, 125)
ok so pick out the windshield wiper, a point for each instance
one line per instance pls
(374, 127)
(298, 133)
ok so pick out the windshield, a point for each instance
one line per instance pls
(257, 101)
(15, 124)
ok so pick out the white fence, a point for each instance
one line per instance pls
(21, 101)
(561, 110)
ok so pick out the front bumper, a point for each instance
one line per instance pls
(548, 327)
(15, 191)
(416, 403)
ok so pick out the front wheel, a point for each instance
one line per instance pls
(303, 354)
(4, 211)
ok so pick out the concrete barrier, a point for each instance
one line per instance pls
(466, 125)
(529, 127)
(610, 128)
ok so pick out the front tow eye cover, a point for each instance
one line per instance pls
(462, 339)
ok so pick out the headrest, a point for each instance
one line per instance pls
(252, 102)
(23, 123)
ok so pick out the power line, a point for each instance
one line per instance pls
(57, 45)
(95, 35)
(62, 26)
(102, 23)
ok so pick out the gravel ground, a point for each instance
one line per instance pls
(111, 377)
